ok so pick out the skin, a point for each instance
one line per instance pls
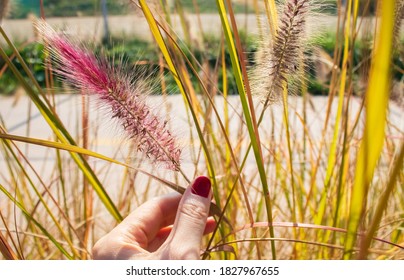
(166, 227)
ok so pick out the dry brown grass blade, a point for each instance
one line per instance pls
(6, 250)
(311, 226)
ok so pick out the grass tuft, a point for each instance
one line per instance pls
(314, 177)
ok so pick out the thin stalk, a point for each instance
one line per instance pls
(272, 15)
(56, 125)
(381, 206)
(374, 131)
(290, 156)
(245, 97)
(30, 218)
(334, 144)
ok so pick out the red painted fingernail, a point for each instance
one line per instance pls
(201, 186)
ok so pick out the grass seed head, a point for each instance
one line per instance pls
(122, 94)
(279, 62)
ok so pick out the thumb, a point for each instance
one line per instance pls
(186, 236)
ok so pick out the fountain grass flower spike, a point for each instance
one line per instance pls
(116, 90)
(280, 60)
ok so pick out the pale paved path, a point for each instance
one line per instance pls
(136, 25)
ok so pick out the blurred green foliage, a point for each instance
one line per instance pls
(34, 57)
(69, 8)
(209, 6)
(361, 61)
(142, 58)
(21, 8)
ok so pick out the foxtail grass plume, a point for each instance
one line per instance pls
(280, 61)
(116, 91)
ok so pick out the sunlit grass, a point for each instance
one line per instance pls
(324, 179)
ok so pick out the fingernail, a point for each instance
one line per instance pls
(201, 186)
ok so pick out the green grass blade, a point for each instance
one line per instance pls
(215, 210)
(381, 206)
(32, 219)
(247, 114)
(40, 196)
(154, 28)
(58, 145)
(374, 131)
(58, 128)
(334, 144)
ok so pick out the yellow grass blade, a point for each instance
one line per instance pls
(248, 109)
(333, 149)
(374, 131)
(154, 28)
(58, 145)
(29, 217)
(214, 209)
(272, 14)
(56, 125)
(364, 248)
(82, 151)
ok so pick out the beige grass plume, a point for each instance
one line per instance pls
(279, 61)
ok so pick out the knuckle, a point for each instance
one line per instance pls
(194, 211)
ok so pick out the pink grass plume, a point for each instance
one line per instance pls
(115, 90)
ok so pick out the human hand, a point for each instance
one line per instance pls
(147, 232)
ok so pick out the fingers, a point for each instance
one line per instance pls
(142, 225)
(185, 237)
(210, 225)
(146, 228)
(134, 234)
(163, 234)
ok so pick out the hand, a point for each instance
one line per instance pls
(146, 233)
